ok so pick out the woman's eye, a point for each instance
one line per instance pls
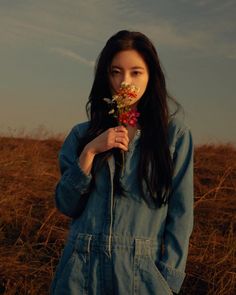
(115, 72)
(136, 73)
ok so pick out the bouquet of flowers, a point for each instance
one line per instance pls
(121, 104)
(120, 108)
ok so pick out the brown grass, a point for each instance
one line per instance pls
(33, 232)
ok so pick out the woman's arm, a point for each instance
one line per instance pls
(86, 160)
(75, 172)
(74, 181)
(179, 222)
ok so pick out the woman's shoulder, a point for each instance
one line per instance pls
(73, 137)
(80, 128)
(176, 128)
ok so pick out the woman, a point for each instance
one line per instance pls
(129, 189)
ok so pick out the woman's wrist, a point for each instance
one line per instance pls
(86, 159)
(89, 151)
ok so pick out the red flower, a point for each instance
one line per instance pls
(129, 117)
(122, 100)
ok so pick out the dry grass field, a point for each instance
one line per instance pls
(33, 232)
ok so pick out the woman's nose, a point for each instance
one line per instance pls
(127, 78)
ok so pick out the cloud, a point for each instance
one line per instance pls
(215, 4)
(166, 34)
(73, 55)
(203, 2)
(14, 30)
(205, 42)
(199, 27)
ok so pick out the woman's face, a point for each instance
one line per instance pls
(128, 66)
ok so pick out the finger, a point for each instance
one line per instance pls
(121, 146)
(122, 132)
(121, 142)
(120, 128)
(122, 139)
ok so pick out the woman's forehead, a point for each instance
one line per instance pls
(128, 58)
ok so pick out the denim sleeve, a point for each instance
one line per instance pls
(180, 215)
(73, 182)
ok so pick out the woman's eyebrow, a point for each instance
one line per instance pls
(135, 67)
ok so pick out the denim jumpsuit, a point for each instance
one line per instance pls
(121, 245)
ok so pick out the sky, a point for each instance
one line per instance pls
(48, 49)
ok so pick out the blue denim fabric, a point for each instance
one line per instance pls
(121, 245)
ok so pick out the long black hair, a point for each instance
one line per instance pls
(155, 167)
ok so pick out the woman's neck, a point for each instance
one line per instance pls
(131, 131)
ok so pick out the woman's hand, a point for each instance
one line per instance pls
(116, 137)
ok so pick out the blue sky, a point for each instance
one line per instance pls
(48, 49)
